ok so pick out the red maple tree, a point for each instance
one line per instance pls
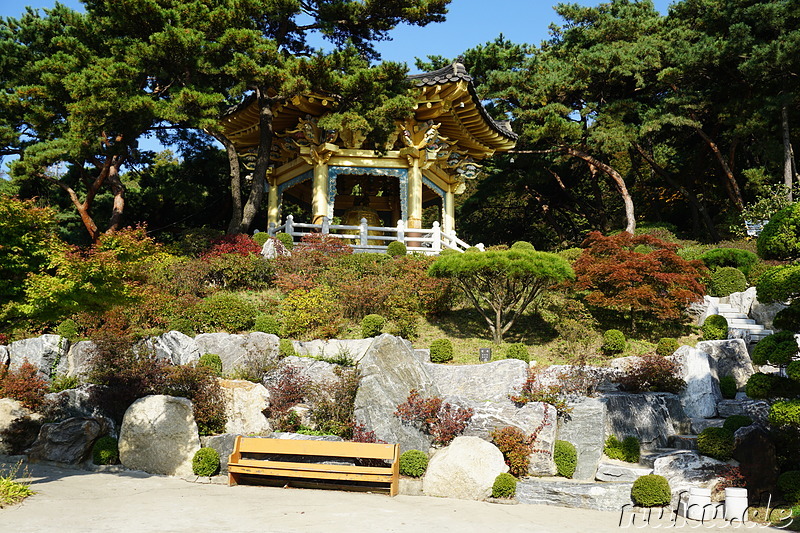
(638, 276)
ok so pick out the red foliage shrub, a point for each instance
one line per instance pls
(308, 261)
(653, 373)
(515, 447)
(239, 244)
(441, 420)
(286, 389)
(24, 385)
(639, 277)
(362, 434)
(198, 384)
(536, 390)
(4, 339)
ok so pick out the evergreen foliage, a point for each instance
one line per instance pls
(504, 486)
(727, 280)
(413, 463)
(441, 351)
(715, 327)
(651, 491)
(566, 458)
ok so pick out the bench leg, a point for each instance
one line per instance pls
(233, 479)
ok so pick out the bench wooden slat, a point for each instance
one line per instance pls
(317, 447)
(316, 474)
(316, 467)
(274, 467)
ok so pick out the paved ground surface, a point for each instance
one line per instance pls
(75, 500)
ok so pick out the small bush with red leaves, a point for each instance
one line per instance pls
(653, 373)
(239, 244)
(442, 420)
(198, 384)
(515, 447)
(287, 387)
(308, 261)
(24, 385)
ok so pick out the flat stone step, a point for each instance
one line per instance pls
(613, 470)
(735, 322)
(699, 424)
(683, 442)
(599, 496)
(748, 327)
(734, 316)
(648, 458)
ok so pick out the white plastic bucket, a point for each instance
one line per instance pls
(735, 504)
(698, 506)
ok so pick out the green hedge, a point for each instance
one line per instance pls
(651, 491)
(727, 280)
(441, 351)
(716, 443)
(627, 449)
(413, 463)
(517, 351)
(205, 462)
(613, 342)
(566, 458)
(505, 486)
(715, 328)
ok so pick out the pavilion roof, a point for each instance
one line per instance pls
(446, 96)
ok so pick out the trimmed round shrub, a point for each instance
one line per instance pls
(667, 346)
(413, 463)
(627, 449)
(211, 361)
(223, 311)
(286, 240)
(523, 245)
(780, 238)
(205, 462)
(613, 342)
(261, 237)
(68, 329)
(396, 249)
(759, 386)
(734, 422)
(518, 351)
(570, 254)
(793, 370)
(441, 351)
(651, 491)
(372, 326)
(715, 328)
(504, 486)
(730, 257)
(785, 414)
(448, 251)
(728, 388)
(105, 451)
(472, 249)
(776, 349)
(787, 319)
(789, 483)
(267, 324)
(716, 443)
(566, 458)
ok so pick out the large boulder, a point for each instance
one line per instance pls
(487, 382)
(613, 470)
(43, 352)
(576, 494)
(315, 370)
(235, 350)
(78, 360)
(354, 349)
(585, 428)
(701, 394)
(743, 301)
(530, 417)
(730, 358)
(159, 436)
(651, 417)
(466, 470)
(764, 313)
(758, 461)
(174, 347)
(389, 371)
(77, 402)
(245, 403)
(687, 469)
(19, 426)
(69, 441)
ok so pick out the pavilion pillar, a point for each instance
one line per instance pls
(319, 194)
(449, 214)
(414, 195)
(273, 205)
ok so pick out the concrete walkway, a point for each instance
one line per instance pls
(76, 500)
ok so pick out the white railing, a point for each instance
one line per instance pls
(365, 238)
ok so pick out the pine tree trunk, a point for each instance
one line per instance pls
(788, 155)
(619, 183)
(118, 191)
(256, 195)
(236, 183)
(731, 185)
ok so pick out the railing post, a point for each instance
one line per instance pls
(271, 229)
(436, 234)
(401, 231)
(290, 225)
(326, 225)
(363, 232)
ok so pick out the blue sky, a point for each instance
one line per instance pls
(470, 22)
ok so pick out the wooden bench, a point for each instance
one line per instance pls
(309, 463)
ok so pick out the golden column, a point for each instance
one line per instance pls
(319, 193)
